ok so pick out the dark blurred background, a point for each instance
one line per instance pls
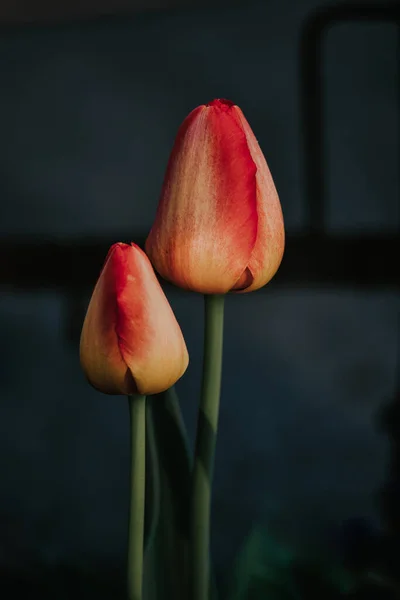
(91, 96)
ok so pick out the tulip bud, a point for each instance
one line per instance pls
(219, 224)
(131, 342)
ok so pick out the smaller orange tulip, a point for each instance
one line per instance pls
(131, 342)
(219, 224)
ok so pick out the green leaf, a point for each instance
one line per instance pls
(263, 570)
(152, 575)
(267, 570)
(167, 550)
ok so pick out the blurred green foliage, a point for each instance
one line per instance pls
(267, 570)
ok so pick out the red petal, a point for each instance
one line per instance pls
(100, 356)
(269, 246)
(206, 223)
(150, 339)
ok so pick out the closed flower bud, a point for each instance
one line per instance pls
(219, 224)
(131, 342)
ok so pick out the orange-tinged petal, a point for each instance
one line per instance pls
(206, 223)
(131, 341)
(269, 246)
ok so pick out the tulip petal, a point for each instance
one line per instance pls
(269, 246)
(131, 341)
(150, 338)
(100, 356)
(206, 223)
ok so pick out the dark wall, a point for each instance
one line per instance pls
(88, 114)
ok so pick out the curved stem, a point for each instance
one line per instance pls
(206, 436)
(155, 475)
(137, 409)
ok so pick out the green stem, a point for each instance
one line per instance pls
(206, 437)
(137, 409)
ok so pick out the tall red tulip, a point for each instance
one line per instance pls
(131, 342)
(219, 224)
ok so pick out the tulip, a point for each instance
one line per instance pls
(131, 342)
(219, 224)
